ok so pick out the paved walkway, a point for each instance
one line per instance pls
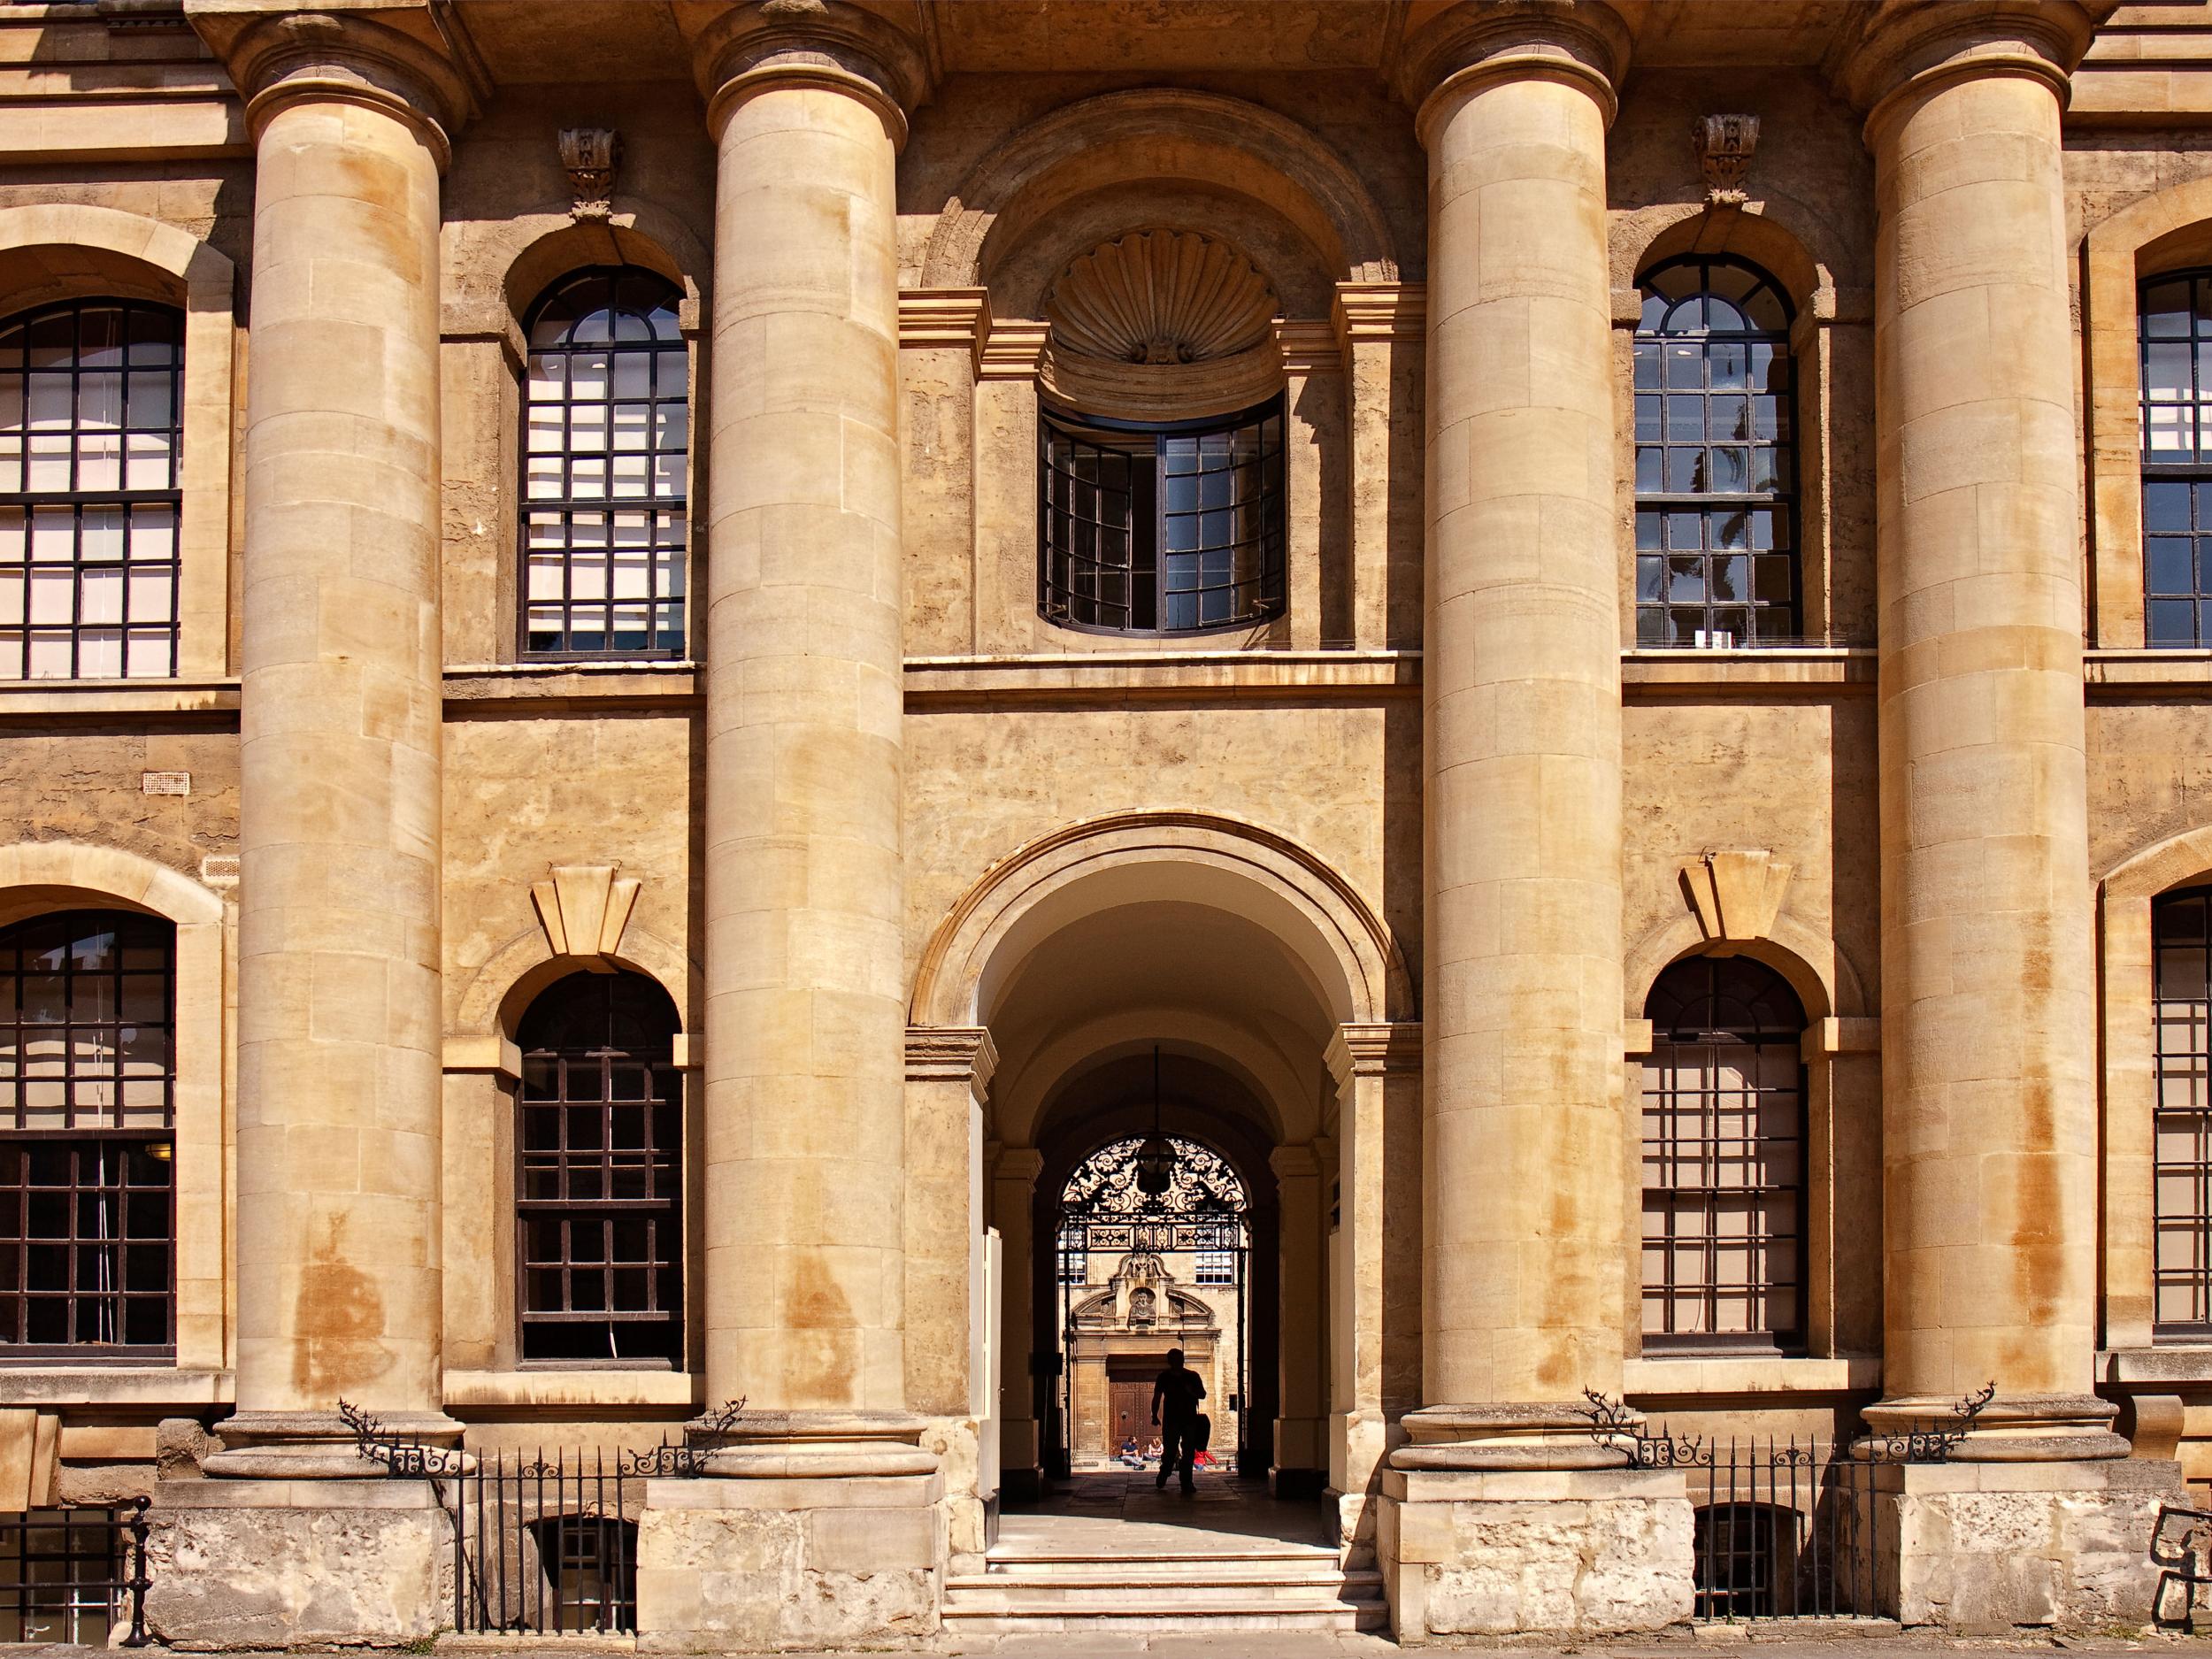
(1107, 1513)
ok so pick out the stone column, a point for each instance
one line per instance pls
(1295, 1469)
(1375, 1322)
(1522, 1305)
(1021, 1393)
(1988, 1121)
(339, 1019)
(805, 1093)
(948, 1072)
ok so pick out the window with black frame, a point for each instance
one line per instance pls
(600, 1155)
(1723, 1157)
(91, 435)
(1716, 561)
(1161, 528)
(88, 1085)
(2174, 321)
(606, 421)
(2181, 938)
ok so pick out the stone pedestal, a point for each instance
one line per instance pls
(1981, 1546)
(789, 1565)
(1499, 1552)
(298, 1563)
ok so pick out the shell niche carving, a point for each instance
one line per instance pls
(1160, 296)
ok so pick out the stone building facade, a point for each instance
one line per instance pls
(646, 645)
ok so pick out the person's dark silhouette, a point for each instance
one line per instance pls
(1176, 1393)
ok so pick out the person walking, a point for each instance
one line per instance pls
(1176, 1393)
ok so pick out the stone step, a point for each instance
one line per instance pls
(1223, 1615)
(1183, 1591)
(1016, 1556)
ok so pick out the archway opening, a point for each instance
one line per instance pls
(1153, 1264)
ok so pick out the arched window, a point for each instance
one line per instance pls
(607, 429)
(2181, 933)
(1161, 528)
(87, 1079)
(2175, 323)
(1716, 481)
(600, 1139)
(90, 433)
(1723, 1150)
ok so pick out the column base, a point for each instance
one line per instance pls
(305, 1563)
(1991, 1546)
(1500, 1552)
(811, 1530)
(315, 1445)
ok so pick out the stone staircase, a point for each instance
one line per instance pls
(1199, 1588)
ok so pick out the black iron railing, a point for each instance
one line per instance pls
(1785, 1527)
(542, 1545)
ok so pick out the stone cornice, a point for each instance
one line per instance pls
(412, 59)
(1363, 312)
(741, 47)
(1377, 1049)
(1584, 42)
(1900, 46)
(952, 1053)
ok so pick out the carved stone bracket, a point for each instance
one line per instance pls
(1724, 145)
(589, 156)
(1736, 893)
(584, 909)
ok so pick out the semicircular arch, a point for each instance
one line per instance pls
(1785, 238)
(510, 977)
(1162, 132)
(63, 247)
(82, 870)
(1329, 930)
(1820, 973)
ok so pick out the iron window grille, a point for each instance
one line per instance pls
(1723, 1139)
(606, 434)
(1216, 1267)
(2174, 325)
(598, 1193)
(1716, 559)
(2181, 934)
(74, 1575)
(1075, 1265)
(87, 1113)
(91, 432)
(1161, 528)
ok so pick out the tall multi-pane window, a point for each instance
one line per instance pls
(607, 424)
(1216, 1267)
(1724, 1151)
(1716, 475)
(91, 428)
(600, 1147)
(88, 1083)
(2175, 322)
(1151, 528)
(2181, 934)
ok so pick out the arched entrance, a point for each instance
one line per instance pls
(1277, 1002)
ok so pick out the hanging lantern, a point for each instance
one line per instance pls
(1156, 1164)
(1155, 1158)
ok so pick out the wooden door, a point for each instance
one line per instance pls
(1131, 1404)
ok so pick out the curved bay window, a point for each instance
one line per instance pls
(1723, 1149)
(600, 1154)
(2181, 935)
(88, 1082)
(1716, 481)
(2174, 320)
(1174, 528)
(91, 428)
(607, 431)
